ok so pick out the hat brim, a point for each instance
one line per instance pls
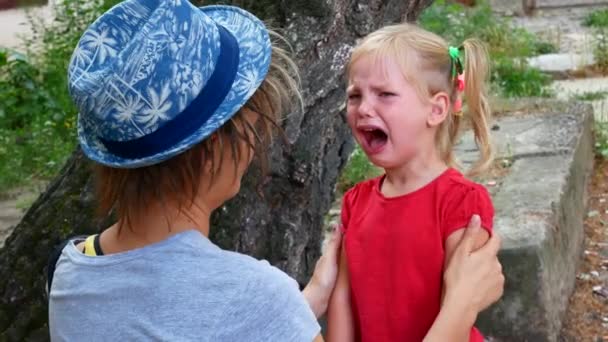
(254, 60)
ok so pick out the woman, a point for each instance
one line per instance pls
(175, 101)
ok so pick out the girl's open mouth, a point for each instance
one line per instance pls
(373, 139)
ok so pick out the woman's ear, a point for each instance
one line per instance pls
(440, 108)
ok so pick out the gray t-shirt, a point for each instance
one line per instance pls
(184, 288)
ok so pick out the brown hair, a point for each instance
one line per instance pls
(128, 192)
(425, 62)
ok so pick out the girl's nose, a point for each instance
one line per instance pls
(365, 108)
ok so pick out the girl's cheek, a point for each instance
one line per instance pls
(350, 118)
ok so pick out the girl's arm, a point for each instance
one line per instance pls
(473, 280)
(340, 325)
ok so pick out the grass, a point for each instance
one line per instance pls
(357, 169)
(596, 19)
(514, 78)
(600, 48)
(36, 134)
(591, 95)
(37, 117)
(601, 139)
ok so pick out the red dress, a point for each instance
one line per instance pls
(395, 250)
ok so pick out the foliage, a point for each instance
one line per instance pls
(357, 169)
(591, 95)
(601, 139)
(37, 117)
(508, 46)
(600, 48)
(596, 19)
(516, 79)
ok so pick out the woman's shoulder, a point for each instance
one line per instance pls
(269, 306)
(228, 271)
(258, 273)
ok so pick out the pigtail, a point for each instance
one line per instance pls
(476, 70)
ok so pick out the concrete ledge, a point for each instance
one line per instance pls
(560, 64)
(567, 89)
(540, 206)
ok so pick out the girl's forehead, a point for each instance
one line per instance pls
(374, 61)
(377, 68)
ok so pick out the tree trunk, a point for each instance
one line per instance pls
(285, 227)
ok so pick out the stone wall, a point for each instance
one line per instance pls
(540, 206)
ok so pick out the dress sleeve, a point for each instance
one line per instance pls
(462, 204)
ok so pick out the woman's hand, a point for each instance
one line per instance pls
(323, 280)
(473, 278)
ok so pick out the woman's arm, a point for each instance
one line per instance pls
(473, 281)
(452, 324)
(318, 290)
(480, 238)
(339, 315)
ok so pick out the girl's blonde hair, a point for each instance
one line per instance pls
(426, 63)
(128, 192)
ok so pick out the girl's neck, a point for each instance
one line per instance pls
(157, 224)
(412, 175)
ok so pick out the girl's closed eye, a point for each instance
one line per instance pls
(386, 94)
(353, 96)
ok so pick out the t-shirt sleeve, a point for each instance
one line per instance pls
(462, 204)
(347, 202)
(270, 308)
(344, 216)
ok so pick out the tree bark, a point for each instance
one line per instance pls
(285, 226)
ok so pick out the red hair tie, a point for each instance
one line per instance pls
(460, 82)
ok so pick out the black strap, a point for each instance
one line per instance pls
(96, 245)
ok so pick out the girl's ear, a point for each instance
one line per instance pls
(440, 108)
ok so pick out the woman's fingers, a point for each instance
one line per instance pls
(492, 271)
(496, 289)
(326, 269)
(333, 246)
(475, 277)
(467, 244)
(491, 248)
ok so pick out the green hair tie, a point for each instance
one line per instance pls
(456, 61)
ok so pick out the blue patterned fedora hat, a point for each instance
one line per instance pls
(152, 78)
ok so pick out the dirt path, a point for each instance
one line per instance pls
(14, 23)
(13, 205)
(587, 316)
(561, 26)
